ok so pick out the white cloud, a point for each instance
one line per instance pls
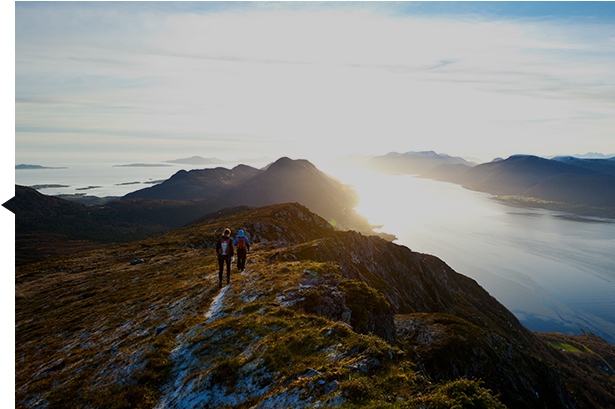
(302, 78)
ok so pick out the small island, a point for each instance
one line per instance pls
(48, 186)
(142, 165)
(127, 183)
(23, 166)
(198, 160)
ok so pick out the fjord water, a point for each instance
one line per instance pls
(554, 272)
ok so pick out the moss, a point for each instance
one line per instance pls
(226, 372)
(358, 390)
(458, 394)
(364, 302)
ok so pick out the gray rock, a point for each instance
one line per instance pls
(364, 365)
(332, 387)
(309, 373)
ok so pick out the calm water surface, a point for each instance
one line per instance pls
(553, 273)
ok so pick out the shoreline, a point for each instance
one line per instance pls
(575, 212)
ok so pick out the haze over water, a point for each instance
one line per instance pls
(553, 272)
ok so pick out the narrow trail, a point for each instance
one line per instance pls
(177, 393)
(216, 304)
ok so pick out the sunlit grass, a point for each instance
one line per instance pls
(94, 331)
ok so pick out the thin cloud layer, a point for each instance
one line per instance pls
(292, 79)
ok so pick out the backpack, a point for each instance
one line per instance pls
(241, 243)
(224, 245)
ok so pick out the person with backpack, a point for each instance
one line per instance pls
(243, 246)
(224, 248)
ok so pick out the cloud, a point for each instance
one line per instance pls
(295, 74)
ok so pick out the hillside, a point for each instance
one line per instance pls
(515, 175)
(210, 184)
(598, 165)
(285, 180)
(47, 226)
(595, 190)
(447, 173)
(319, 318)
(568, 184)
(412, 163)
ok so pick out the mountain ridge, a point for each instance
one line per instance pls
(574, 185)
(65, 226)
(409, 162)
(96, 329)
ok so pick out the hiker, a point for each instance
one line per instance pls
(224, 248)
(243, 246)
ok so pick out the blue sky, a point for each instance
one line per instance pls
(150, 81)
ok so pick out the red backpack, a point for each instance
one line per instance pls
(241, 243)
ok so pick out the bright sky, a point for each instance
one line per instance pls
(150, 81)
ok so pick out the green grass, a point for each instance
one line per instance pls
(568, 348)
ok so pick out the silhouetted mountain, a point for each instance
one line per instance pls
(598, 165)
(198, 160)
(184, 197)
(447, 173)
(285, 180)
(516, 174)
(64, 226)
(411, 162)
(595, 155)
(299, 181)
(319, 317)
(210, 184)
(594, 190)
(582, 186)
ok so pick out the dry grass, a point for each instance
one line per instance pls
(94, 331)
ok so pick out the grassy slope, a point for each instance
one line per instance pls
(93, 330)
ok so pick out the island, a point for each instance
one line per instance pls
(141, 165)
(23, 166)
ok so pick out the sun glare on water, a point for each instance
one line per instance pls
(405, 203)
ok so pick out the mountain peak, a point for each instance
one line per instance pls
(286, 164)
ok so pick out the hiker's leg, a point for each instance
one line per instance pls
(228, 270)
(241, 259)
(220, 270)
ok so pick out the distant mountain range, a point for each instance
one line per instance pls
(198, 160)
(580, 184)
(402, 163)
(564, 179)
(184, 197)
(595, 155)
